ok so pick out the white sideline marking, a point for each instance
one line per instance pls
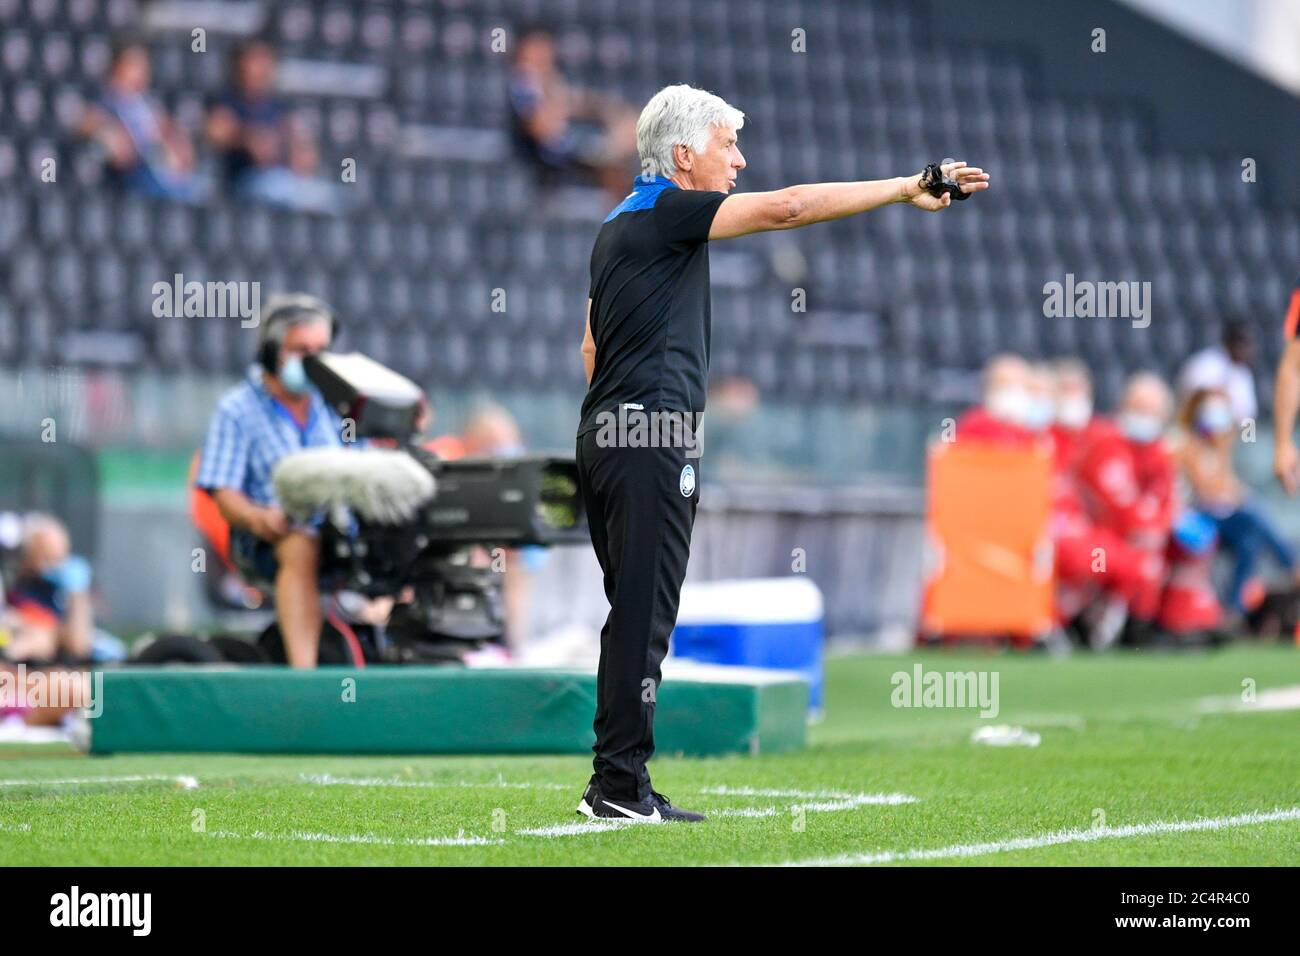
(961, 851)
(823, 806)
(329, 780)
(832, 800)
(577, 829)
(15, 827)
(188, 783)
(848, 801)
(822, 801)
(858, 799)
(299, 836)
(1276, 698)
(817, 801)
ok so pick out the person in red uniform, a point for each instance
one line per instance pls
(1187, 604)
(1126, 476)
(1073, 419)
(1003, 417)
(1041, 410)
(1098, 573)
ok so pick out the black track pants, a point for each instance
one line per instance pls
(641, 507)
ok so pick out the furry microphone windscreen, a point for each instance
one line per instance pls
(380, 485)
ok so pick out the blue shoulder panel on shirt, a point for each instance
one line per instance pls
(645, 193)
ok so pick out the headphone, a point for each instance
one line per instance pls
(282, 311)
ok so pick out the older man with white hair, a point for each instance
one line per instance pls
(646, 355)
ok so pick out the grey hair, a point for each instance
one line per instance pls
(284, 310)
(680, 115)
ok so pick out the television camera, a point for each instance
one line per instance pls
(400, 521)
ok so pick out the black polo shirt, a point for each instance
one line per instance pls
(650, 301)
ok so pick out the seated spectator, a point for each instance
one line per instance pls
(147, 150)
(1126, 479)
(49, 601)
(1004, 415)
(39, 721)
(1206, 457)
(560, 127)
(1040, 411)
(1225, 367)
(266, 153)
(1098, 573)
(491, 432)
(1072, 407)
(1145, 412)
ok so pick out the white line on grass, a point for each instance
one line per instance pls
(822, 806)
(592, 826)
(829, 800)
(745, 812)
(188, 783)
(858, 799)
(823, 801)
(1275, 698)
(15, 827)
(578, 829)
(329, 780)
(1060, 837)
(298, 836)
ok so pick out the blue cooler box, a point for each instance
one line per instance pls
(758, 622)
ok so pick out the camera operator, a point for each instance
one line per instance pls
(275, 411)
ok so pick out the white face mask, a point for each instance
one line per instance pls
(293, 376)
(1140, 427)
(1214, 418)
(1074, 411)
(1039, 413)
(1009, 403)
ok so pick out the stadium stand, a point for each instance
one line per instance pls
(445, 213)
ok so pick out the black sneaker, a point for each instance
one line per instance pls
(590, 796)
(672, 813)
(657, 809)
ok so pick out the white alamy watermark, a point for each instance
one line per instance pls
(633, 427)
(1103, 300)
(946, 689)
(75, 908)
(35, 689)
(208, 300)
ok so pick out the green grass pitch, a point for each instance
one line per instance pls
(1133, 768)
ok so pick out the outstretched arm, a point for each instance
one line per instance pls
(797, 206)
(1286, 398)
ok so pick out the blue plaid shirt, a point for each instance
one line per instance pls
(251, 431)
